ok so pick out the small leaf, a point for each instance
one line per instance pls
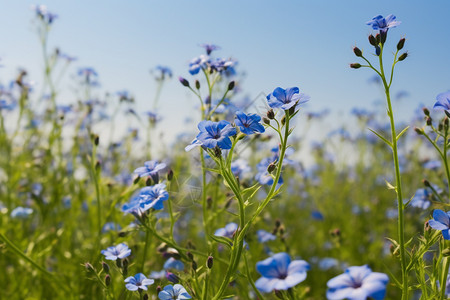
(402, 132)
(381, 137)
(390, 186)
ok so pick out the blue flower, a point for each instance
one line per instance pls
(383, 24)
(228, 231)
(357, 283)
(42, 12)
(174, 292)
(139, 281)
(286, 98)
(264, 236)
(441, 221)
(148, 197)
(21, 212)
(163, 72)
(248, 123)
(421, 199)
(214, 134)
(443, 101)
(263, 176)
(173, 263)
(114, 252)
(432, 164)
(150, 168)
(198, 63)
(210, 48)
(240, 167)
(280, 273)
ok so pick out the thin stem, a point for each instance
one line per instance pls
(398, 182)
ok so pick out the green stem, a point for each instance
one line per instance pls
(446, 263)
(398, 182)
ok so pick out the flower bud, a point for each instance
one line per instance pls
(283, 120)
(271, 167)
(136, 180)
(266, 121)
(209, 202)
(357, 51)
(89, 267)
(96, 140)
(279, 294)
(403, 56)
(158, 289)
(170, 175)
(400, 44)
(378, 38)
(426, 112)
(194, 266)
(107, 280)
(277, 223)
(190, 255)
(145, 297)
(231, 85)
(270, 114)
(426, 183)
(148, 181)
(355, 66)
(373, 40)
(418, 130)
(197, 84)
(428, 120)
(98, 165)
(209, 262)
(172, 277)
(377, 51)
(183, 81)
(217, 152)
(105, 267)
(383, 35)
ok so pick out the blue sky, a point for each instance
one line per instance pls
(277, 43)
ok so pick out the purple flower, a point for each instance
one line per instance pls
(139, 281)
(280, 273)
(358, 283)
(441, 221)
(174, 292)
(150, 168)
(443, 101)
(248, 123)
(210, 48)
(113, 253)
(286, 98)
(383, 24)
(214, 134)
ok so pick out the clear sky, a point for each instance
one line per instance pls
(277, 43)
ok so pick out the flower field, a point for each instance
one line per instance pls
(241, 205)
